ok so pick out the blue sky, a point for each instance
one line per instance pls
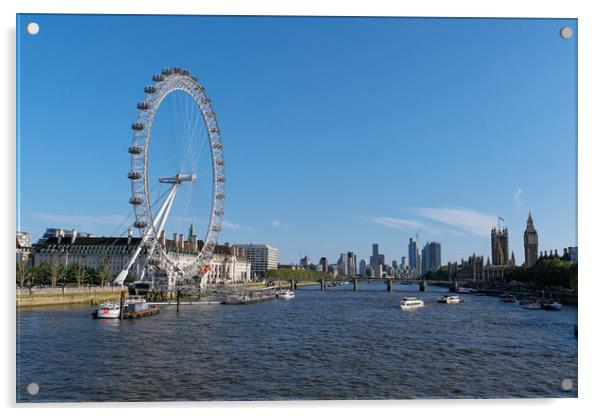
(338, 132)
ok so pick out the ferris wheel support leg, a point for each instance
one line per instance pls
(204, 280)
(161, 216)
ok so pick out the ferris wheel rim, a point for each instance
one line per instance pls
(169, 81)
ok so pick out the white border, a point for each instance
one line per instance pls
(590, 136)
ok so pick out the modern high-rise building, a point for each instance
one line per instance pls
(324, 265)
(343, 265)
(431, 257)
(378, 271)
(412, 255)
(499, 247)
(363, 267)
(374, 257)
(304, 262)
(263, 257)
(531, 243)
(351, 266)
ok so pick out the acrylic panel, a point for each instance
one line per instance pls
(295, 208)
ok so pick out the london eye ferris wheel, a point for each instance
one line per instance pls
(177, 178)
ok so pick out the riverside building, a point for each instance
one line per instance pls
(227, 263)
(263, 257)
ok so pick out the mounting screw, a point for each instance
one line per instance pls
(566, 384)
(33, 388)
(566, 32)
(33, 28)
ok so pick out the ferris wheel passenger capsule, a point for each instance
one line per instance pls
(138, 126)
(142, 106)
(140, 224)
(135, 150)
(134, 175)
(158, 78)
(136, 200)
(150, 90)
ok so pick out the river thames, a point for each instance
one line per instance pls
(336, 344)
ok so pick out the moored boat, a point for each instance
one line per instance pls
(465, 290)
(551, 305)
(107, 310)
(411, 303)
(508, 298)
(531, 304)
(137, 307)
(247, 298)
(285, 294)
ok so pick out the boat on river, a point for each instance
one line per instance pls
(247, 298)
(551, 305)
(450, 299)
(138, 307)
(285, 294)
(508, 298)
(531, 304)
(465, 290)
(134, 307)
(408, 303)
(107, 310)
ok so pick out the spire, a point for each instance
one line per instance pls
(191, 232)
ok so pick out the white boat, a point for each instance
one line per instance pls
(531, 304)
(107, 310)
(286, 294)
(507, 298)
(551, 305)
(449, 299)
(465, 290)
(411, 303)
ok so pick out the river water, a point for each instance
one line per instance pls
(336, 344)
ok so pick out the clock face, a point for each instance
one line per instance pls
(531, 239)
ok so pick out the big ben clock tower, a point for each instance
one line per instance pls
(530, 243)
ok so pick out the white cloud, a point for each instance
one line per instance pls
(402, 224)
(230, 225)
(518, 202)
(77, 221)
(465, 219)
(278, 224)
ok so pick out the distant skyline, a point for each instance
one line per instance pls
(338, 132)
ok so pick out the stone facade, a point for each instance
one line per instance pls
(499, 247)
(227, 264)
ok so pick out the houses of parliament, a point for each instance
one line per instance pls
(475, 268)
